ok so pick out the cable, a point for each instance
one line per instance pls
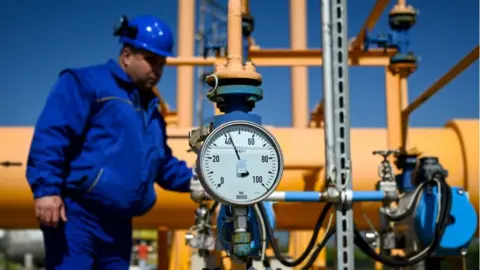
(263, 231)
(311, 244)
(211, 210)
(411, 205)
(408, 211)
(442, 221)
(319, 248)
(329, 233)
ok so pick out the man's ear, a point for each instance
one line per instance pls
(126, 56)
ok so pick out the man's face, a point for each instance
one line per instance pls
(144, 68)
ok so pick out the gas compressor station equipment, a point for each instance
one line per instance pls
(240, 164)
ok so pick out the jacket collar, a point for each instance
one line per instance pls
(118, 72)
(123, 77)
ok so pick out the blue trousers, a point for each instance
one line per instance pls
(88, 241)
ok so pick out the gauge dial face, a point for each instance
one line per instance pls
(240, 163)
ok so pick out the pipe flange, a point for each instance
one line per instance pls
(228, 75)
(402, 17)
(221, 94)
(404, 64)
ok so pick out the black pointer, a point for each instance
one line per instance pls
(235, 148)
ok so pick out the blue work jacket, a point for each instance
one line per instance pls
(95, 142)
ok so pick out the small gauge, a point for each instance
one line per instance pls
(240, 163)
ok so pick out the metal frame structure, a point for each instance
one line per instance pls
(337, 123)
(398, 112)
(211, 19)
(333, 110)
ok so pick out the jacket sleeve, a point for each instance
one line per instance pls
(175, 175)
(62, 118)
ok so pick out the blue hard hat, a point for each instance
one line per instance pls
(146, 32)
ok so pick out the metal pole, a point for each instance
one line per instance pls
(341, 102)
(328, 91)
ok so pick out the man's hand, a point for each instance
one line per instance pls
(197, 193)
(49, 210)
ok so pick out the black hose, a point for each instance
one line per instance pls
(311, 244)
(410, 259)
(211, 209)
(318, 249)
(409, 211)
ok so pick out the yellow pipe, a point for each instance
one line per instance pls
(299, 74)
(456, 145)
(186, 26)
(370, 22)
(234, 35)
(299, 101)
(245, 7)
(288, 58)
(464, 63)
(445, 79)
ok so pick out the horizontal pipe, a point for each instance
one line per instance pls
(456, 146)
(368, 196)
(313, 196)
(306, 196)
(289, 58)
(295, 196)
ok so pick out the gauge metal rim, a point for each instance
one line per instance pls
(210, 137)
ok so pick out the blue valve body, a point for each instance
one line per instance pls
(226, 229)
(463, 224)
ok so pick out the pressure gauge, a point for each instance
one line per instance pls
(240, 163)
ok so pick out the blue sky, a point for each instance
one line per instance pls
(42, 39)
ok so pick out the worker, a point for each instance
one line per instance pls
(99, 146)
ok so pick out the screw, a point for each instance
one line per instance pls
(460, 191)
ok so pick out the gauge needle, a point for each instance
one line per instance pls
(234, 148)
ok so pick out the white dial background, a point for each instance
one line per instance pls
(259, 156)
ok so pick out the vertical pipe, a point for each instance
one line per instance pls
(201, 69)
(403, 89)
(298, 41)
(404, 92)
(299, 95)
(394, 104)
(328, 90)
(186, 33)
(215, 40)
(163, 260)
(235, 35)
(328, 113)
(245, 7)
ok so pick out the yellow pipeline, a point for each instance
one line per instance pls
(456, 145)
